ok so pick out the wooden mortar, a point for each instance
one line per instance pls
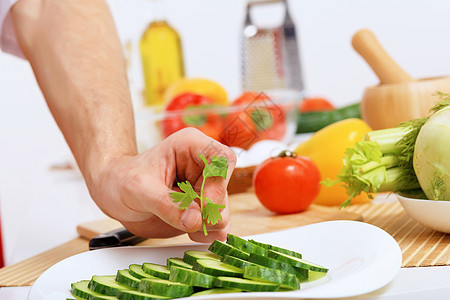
(398, 97)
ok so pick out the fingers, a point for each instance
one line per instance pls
(147, 184)
(157, 200)
(215, 232)
(188, 143)
(190, 165)
(200, 237)
(153, 227)
(190, 220)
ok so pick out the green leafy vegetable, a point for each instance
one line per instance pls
(432, 158)
(218, 167)
(185, 197)
(383, 160)
(211, 212)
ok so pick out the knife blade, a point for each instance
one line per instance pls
(115, 238)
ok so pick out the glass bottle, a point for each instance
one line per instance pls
(162, 57)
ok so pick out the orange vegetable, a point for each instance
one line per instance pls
(315, 104)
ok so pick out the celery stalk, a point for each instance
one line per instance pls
(378, 164)
(389, 139)
(383, 161)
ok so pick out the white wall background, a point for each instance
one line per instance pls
(415, 32)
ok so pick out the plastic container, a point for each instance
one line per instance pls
(236, 126)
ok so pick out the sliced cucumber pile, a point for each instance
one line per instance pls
(232, 267)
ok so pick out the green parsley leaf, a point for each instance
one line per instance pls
(217, 167)
(185, 197)
(211, 212)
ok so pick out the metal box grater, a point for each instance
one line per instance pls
(270, 56)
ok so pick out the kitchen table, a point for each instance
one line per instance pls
(41, 207)
(36, 232)
(410, 283)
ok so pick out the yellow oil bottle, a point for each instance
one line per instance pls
(162, 56)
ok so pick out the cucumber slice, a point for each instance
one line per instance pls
(135, 295)
(216, 291)
(156, 270)
(124, 277)
(80, 290)
(296, 262)
(278, 265)
(191, 256)
(245, 246)
(166, 288)
(221, 248)
(138, 272)
(313, 275)
(275, 248)
(246, 284)
(237, 262)
(284, 279)
(106, 285)
(217, 268)
(102, 297)
(191, 277)
(177, 261)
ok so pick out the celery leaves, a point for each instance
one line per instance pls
(383, 160)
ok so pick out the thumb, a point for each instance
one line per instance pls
(191, 218)
(164, 207)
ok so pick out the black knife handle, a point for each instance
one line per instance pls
(115, 238)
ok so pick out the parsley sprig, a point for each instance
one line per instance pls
(210, 211)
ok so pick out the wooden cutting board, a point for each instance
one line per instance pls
(247, 215)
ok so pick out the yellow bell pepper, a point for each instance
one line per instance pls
(327, 148)
(205, 87)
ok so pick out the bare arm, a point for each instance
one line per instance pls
(76, 56)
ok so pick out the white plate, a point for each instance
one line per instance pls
(360, 256)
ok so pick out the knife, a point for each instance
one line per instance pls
(115, 238)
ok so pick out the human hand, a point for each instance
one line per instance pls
(135, 189)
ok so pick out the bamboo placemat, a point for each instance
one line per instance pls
(421, 246)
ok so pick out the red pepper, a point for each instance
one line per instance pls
(180, 113)
(257, 118)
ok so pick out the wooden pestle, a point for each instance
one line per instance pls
(387, 70)
(398, 97)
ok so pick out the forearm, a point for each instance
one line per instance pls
(77, 58)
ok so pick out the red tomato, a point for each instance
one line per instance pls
(258, 118)
(249, 97)
(315, 104)
(287, 184)
(209, 123)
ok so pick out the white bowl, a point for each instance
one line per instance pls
(433, 214)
